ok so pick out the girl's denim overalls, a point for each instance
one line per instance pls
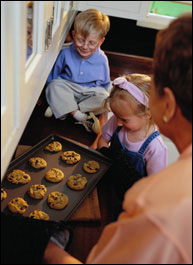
(136, 159)
(127, 168)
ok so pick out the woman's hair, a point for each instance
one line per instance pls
(92, 20)
(173, 62)
(143, 82)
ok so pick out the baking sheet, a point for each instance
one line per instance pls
(54, 161)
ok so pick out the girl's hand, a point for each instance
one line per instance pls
(102, 143)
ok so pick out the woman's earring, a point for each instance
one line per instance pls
(165, 119)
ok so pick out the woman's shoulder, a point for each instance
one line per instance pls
(171, 174)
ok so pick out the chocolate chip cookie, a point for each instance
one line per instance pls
(91, 166)
(37, 191)
(71, 157)
(54, 175)
(37, 214)
(37, 162)
(57, 200)
(3, 194)
(76, 182)
(18, 176)
(55, 146)
(18, 205)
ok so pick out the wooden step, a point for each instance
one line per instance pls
(123, 64)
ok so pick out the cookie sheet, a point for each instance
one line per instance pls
(54, 161)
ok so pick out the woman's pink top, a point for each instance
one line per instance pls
(156, 224)
(155, 155)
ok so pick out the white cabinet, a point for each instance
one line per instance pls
(22, 80)
(136, 10)
(124, 9)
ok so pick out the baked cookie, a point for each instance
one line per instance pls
(18, 205)
(57, 200)
(37, 191)
(37, 162)
(3, 194)
(18, 176)
(71, 157)
(76, 182)
(91, 166)
(37, 214)
(54, 175)
(55, 146)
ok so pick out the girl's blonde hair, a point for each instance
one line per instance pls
(91, 20)
(143, 82)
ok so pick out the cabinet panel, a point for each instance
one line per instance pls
(137, 10)
(124, 9)
(10, 78)
(22, 80)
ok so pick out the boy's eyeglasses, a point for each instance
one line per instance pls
(90, 44)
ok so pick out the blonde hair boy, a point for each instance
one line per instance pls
(81, 76)
(92, 20)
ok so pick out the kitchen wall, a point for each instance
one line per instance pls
(126, 37)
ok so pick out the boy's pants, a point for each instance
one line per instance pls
(64, 96)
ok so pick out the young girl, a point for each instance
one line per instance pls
(132, 139)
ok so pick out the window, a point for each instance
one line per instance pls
(170, 8)
(158, 14)
(30, 7)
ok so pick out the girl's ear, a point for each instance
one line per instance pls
(148, 114)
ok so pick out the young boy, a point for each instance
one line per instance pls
(80, 78)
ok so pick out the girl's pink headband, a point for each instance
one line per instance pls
(122, 82)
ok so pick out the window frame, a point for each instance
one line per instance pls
(155, 21)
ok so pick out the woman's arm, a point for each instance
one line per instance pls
(56, 255)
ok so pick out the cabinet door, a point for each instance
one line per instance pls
(124, 9)
(137, 10)
(23, 78)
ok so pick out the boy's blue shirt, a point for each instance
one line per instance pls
(90, 72)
